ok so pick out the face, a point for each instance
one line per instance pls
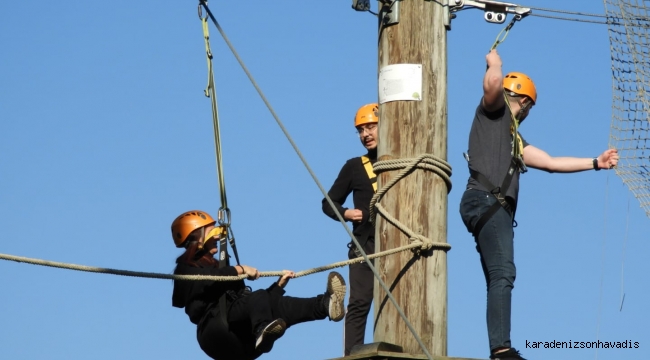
(368, 135)
(525, 105)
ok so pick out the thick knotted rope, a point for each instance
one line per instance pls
(423, 162)
(152, 275)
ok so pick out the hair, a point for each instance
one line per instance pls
(193, 256)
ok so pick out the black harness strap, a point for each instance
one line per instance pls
(223, 262)
(498, 192)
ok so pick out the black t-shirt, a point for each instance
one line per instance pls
(354, 179)
(490, 149)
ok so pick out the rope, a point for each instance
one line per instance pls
(602, 263)
(424, 162)
(152, 275)
(320, 186)
(627, 228)
(92, 269)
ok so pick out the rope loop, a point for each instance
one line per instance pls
(406, 166)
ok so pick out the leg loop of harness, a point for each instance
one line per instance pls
(499, 193)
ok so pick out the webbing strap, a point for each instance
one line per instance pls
(369, 170)
(517, 143)
(224, 211)
(223, 262)
(503, 34)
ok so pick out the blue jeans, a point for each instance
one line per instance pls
(495, 245)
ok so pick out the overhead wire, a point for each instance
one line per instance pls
(565, 11)
(607, 20)
(315, 178)
(571, 19)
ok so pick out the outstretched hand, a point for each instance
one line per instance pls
(608, 159)
(284, 279)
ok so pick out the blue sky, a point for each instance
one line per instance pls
(106, 138)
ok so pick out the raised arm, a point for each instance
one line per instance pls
(493, 83)
(539, 159)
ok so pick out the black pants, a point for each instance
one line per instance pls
(361, 294)
(246, 314)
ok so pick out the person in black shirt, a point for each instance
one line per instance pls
(233, 322)
(357, 178)
(497, 155)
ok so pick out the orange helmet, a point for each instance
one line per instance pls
(520, 84)
(367, 114)
(187, 222)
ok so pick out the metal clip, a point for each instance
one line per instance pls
(223, 217)
(361, 5)
(389, 12)
(520, 164)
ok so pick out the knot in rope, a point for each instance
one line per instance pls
(406, 166)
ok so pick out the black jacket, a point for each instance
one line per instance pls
(198, 297)
(353, 178)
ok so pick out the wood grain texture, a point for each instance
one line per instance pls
(408, 129)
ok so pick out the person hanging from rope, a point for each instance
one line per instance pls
(358, 178)
(497, 155)
(234, 322)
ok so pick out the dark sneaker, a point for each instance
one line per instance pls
(510, 354)
(336, 295)
(267, 335)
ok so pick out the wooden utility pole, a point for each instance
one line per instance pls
(408, 129)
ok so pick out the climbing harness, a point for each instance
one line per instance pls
(499, 192)
(223, 214)
(371, 174)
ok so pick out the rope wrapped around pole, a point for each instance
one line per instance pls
(423, 162)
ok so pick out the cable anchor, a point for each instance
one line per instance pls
(495, 11)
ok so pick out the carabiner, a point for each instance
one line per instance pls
(223, 217)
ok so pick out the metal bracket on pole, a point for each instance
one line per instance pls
(495, 11)
(361, 5)
(389, 12)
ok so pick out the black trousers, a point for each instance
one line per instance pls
(246, 314)
(361, 294)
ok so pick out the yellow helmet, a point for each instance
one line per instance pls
(367, 114)
(520, 84)
(187, 222)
